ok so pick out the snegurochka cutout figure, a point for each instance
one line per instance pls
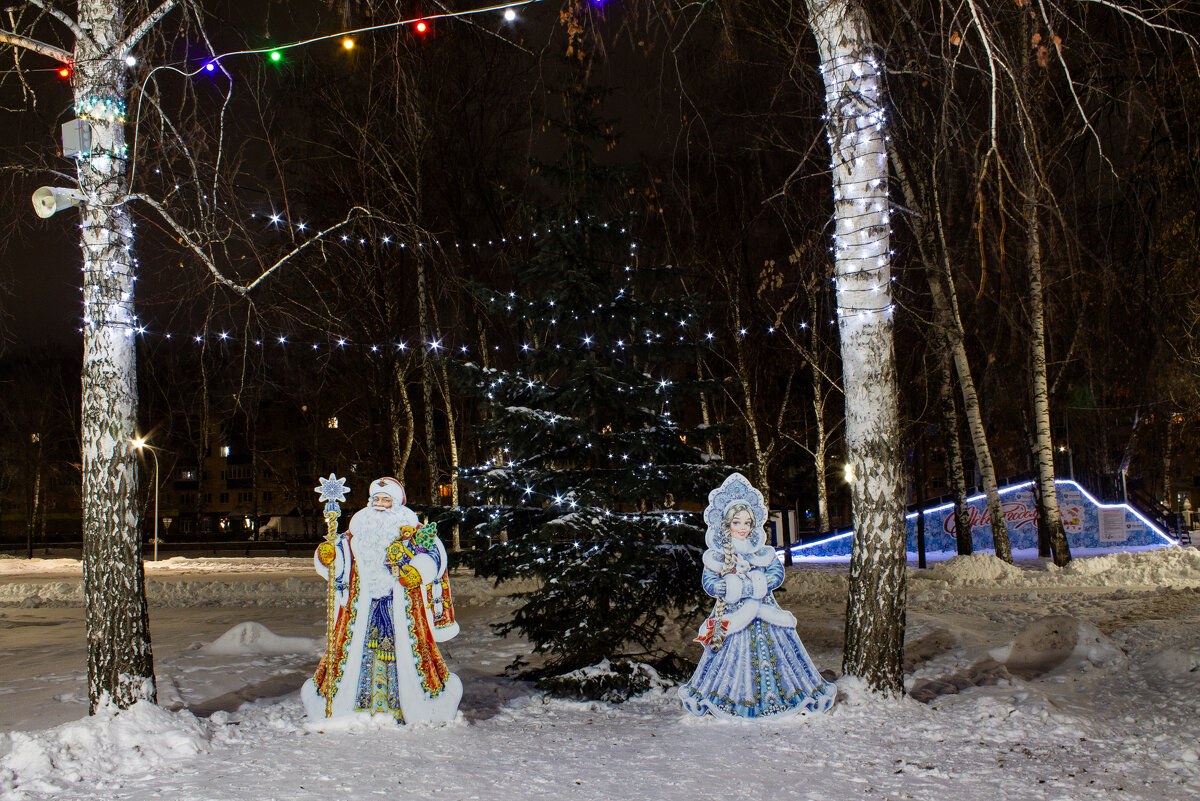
(390, 606)
(754, 664)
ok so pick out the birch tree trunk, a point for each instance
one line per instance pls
(819, 454)
(452, 443)
(427, 381)
(36, 501)
(819, 378)
(704, 417)
(758, 457)
(954, 465)
(855, 128)
(400, 419)
(1168, 494)
(402, 428)
(1043, 448)
(945, 308)
(120, 662)
(451, 436)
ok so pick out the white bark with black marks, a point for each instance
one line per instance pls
(875, 612)
(1043, 450)
(120, 661)
(964, 542)
(946, 313)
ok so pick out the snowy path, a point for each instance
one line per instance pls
(1119, 721)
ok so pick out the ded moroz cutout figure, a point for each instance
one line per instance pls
(754, 664)
(390, 606)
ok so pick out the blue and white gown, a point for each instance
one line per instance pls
(761, 668)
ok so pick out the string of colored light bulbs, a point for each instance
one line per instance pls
(274, 52)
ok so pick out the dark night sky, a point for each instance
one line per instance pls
(44, 273)
(41, 260)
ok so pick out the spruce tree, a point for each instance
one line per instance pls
(589, 454)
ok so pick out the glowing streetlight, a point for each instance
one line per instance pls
(139, 444)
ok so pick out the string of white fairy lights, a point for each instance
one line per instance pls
(681, 324)
(523, 489)
(862, 262)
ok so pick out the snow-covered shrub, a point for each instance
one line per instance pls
(613, 682)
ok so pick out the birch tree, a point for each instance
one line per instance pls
(808, 342)
(105, 40)
(964, 544)
(927, 228)
(855, 126)
(120, 660)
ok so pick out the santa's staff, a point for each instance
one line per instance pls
(332, 491)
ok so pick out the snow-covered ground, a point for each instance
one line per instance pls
(1035, 683)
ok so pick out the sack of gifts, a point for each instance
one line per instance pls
(440, 604)
(438, 600)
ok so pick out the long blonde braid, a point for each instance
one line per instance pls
(718, 635)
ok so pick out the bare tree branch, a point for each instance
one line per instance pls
(243, 289)
(149, 22)
(61, 16)
(17, 40)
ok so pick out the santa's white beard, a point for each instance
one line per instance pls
(373, 531)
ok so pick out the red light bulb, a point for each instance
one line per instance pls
(421, 26)
(64, 72)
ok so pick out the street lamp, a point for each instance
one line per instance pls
(140, 445)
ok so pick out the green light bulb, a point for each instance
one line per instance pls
(275, 55)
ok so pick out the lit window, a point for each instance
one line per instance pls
(225, 450)
(332, 423)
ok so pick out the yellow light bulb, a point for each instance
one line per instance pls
(348, 43)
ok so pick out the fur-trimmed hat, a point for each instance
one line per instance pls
(390, 487)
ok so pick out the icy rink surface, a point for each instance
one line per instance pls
(1114, 712)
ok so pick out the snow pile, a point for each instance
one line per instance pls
(1161, 567)
(35, 595)
(1057, 643)
(288, 592)
(1175, 663)
(607, 681)
(809, 580)
(252, 638)
(1166, 567)
(99, 750)
(291, 583)
(291, 591)
(249, 564)
(12, 565)
(1174, 671)
(978, 568)
(855, 697)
